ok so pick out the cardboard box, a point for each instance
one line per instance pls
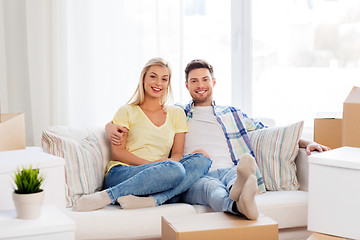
(328, 129)
(319, 236)
(333, 202)
(12, 131)
(351, 119)
(218, 225)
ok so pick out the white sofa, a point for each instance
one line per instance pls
(287, 208)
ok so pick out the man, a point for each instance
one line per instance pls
(220, 133)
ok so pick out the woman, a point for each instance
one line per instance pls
(141, 165)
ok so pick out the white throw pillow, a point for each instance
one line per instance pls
(275, 151)
(84, 170)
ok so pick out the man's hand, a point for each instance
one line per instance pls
(201, 151)
(316, 147)
(115, 133)
(312, 146)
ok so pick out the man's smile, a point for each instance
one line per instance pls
(201, 91)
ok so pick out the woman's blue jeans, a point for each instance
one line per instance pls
(160, 180)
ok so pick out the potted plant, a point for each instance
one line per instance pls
(28, 196)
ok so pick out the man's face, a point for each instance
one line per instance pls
(200, 86)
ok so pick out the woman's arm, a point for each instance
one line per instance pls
(177, 150)
(119, 153)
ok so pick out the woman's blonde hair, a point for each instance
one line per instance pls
(139, 95)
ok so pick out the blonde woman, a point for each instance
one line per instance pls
(148, 168)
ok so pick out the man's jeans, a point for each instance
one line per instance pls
(161, 180)
(212, 190)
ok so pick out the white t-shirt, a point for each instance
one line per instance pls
(206, 133)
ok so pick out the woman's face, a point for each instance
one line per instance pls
(156, 81)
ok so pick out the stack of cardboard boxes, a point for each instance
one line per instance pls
(12, 131)
(333, 131)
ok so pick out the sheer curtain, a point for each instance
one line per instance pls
(75, 62)
(28, 60)
(109, 42)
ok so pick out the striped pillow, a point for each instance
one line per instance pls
(275, 151)
(84, 173)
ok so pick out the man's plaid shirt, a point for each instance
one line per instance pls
(235, 125)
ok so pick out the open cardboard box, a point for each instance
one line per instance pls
(320, 236)
(12, 131)
(333, 131)
(328, 129)
(217, 225)
(351, 119)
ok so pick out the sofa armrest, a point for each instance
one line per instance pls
(302, 169)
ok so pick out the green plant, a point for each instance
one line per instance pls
(28, 180)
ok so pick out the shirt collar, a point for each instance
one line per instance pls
(189, 109)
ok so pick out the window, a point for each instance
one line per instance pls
(306, 57)
(207, 35)
(110, 41)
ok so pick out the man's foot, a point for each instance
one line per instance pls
(131, 202)
(246, 203)
(92, 202)
(245, 168)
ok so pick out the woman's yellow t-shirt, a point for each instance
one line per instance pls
(144, 139)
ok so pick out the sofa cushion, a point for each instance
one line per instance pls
(79, 133)
(84, 172)
(287, 208)
(275, 150)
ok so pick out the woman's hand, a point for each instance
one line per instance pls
(115, 133)
(163, 159)
(201, 151)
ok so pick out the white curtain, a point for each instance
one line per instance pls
(28, 65)
(75, 62)
(109, 43)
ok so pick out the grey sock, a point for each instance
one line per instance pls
(246, 203)
(131, 202)
(92, 202)
(244, 169)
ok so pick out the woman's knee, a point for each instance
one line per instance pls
(198, 161)
(175, 170)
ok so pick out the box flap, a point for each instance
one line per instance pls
(328, 115)
(345, 157)
(214, 221)
(6, 117)
(354, 95)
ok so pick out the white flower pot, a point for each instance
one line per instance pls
(28, 206)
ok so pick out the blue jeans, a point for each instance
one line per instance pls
(213, 189)
(161, 180)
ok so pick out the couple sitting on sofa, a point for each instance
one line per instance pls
(145, 132)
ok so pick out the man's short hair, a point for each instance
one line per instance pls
(198, 63)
